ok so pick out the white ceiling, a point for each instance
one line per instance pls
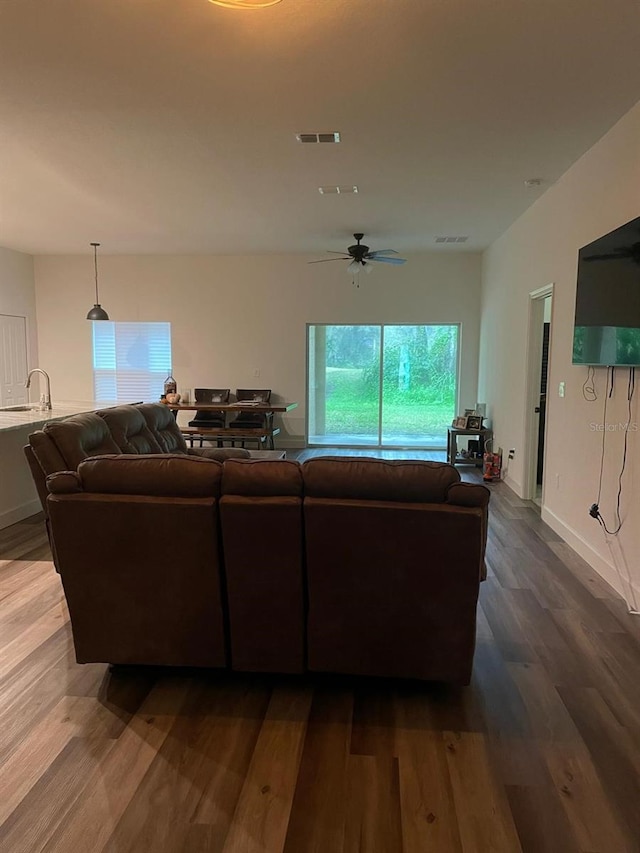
(157, 126)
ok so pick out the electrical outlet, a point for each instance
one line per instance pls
(512, 453)
(561, 389)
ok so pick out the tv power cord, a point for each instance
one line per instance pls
(594, 512)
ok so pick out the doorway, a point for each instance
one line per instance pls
(13, 360)
(539, 340)
(381, 385)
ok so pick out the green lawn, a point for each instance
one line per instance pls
(352, 407)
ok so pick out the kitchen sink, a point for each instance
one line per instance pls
(18, 408)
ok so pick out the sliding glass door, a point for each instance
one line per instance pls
(382, 385)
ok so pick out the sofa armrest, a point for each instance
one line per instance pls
(473, 495)
(468, 494)
(64, 483)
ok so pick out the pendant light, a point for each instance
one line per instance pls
(97, 312)
(245, 4)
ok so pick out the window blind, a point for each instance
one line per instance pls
(130, 361)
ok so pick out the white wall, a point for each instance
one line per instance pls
(600, 192)
(233, 315)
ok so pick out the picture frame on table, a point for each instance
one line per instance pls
(470, 412)
(474, 422)
(460, 422)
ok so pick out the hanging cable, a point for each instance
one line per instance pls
(589, 388)
(595, 511)
(595, 507)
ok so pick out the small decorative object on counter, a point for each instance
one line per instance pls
(170, 385)
(163, 398)
(173, 399)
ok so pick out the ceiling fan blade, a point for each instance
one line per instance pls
(381, 252)
(331, 252)
(325, 260)
(384, 260)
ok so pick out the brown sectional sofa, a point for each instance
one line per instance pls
(355, 566)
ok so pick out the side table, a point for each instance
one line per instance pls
(453, 458)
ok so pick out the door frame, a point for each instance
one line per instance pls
(26, 330)
(535, 331)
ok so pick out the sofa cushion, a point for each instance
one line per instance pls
(379, 480)
(164, 428)
(160, 475)
(129, 430)
(80, 437)
(261, 478)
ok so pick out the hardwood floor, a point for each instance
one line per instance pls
(540, 753)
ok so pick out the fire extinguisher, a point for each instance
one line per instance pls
(492, 463)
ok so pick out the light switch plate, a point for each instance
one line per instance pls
(561, 389)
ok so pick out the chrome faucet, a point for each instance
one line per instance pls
(47, 394)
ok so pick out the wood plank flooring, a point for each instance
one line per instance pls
(541, 753)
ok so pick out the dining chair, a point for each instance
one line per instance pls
(207, 418)
(252, 420)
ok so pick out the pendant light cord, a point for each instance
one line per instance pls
(95, 265)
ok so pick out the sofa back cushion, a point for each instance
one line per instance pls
(378, 480)
(261, 478)
(261, 517)
(163, 427)
(155, 475)
(129, 430)
(79, 437)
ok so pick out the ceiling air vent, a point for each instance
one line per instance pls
(341, 190)
(451, 239)
(318, 137)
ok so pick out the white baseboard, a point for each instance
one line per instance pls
(613, 575)
(18, 513)
(514, 485)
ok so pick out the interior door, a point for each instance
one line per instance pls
(13, 360)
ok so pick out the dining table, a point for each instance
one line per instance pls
(240, 406)
(263, 435)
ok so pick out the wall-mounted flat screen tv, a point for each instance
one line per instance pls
(607, 322)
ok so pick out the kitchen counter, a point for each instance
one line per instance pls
(35, 418)
(18, 497)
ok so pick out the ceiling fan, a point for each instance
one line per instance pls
(361, 257)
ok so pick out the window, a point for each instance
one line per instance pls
(130, 361)
(382, 385)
